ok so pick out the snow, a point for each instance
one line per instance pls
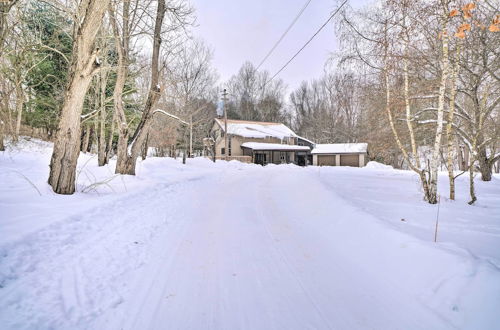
(172, 116)
(240, 246)
(251, 129)
(340, 148)
(309, 141)
(273, 146)
(378, 166)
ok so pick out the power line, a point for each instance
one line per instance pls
(284, 34)
(309, 41)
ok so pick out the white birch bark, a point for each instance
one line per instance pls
(434, 163)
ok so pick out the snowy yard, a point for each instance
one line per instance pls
(235, 246)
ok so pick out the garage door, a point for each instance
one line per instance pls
(326, 160)
(349, 160)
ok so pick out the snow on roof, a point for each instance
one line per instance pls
(256, 129)
(340, 148)
(273, 146)
(307, 140)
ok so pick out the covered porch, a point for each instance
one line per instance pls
(273, 153)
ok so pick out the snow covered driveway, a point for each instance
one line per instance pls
(236, 247)
(262, 263)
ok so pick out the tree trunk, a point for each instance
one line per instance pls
(101, 145)
(5, 7)
(19, 110)
(433, 180)
(472, 189)
(122, 46)
(67, 142)
(101, 152)
(85, 139)
(109, 144)
(144, 152)
(127, 155)
(2, 134)
(83, 65)
(485, 165)
(123, 161)
(421, 172)
(4, 108)
(409, 123)
(466, 158)
(94, 146)
(449, 125)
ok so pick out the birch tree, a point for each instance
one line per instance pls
(392, 43)
(5, 7)
(433, 198)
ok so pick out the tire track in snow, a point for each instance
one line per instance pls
(232, 279)
(150, 288)
(363, 301)
(90, 254)
(265, 204)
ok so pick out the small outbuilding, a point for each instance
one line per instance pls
(340, 154)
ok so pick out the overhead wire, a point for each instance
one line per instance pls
(284, 34)
(308, 42)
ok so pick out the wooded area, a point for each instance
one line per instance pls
(419, 81)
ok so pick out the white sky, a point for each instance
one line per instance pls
(241, 30)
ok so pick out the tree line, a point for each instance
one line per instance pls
(418, 80)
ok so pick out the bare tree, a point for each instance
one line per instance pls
(254, 96)
(5, 7)
(191, 91)
(129, 148)
(84, 63)
(392, 42)
(128, 152)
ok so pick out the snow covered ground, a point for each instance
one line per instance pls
(236, 246)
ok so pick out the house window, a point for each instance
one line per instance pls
(229, 146)
(222, 151)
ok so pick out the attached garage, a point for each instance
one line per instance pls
(340, 154)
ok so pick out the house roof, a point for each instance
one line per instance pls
(273, 146)
(307, 140)
(256, 129)
(340, 148)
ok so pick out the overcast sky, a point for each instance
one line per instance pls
(243, 30)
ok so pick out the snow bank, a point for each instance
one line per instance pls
(378, 166)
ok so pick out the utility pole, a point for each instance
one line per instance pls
(224, 108)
